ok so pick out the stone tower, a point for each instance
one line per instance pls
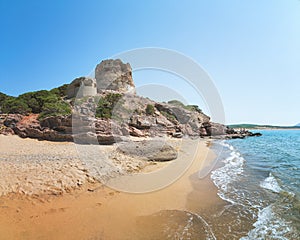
(82, 87)
(114, 75)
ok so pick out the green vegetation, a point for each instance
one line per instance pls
(46, 103)
(176, 103)
(58, 108)
(150, 109)
(106, 105)
(169, 116)
(193, 108)
(14, 105)
(3, 97)
(255, 126)
(60, 91)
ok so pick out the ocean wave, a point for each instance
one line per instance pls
(174, 224)
(271, 183)
(224, 176)
(269, 226)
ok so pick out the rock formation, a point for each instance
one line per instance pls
(114, 75)
(121, 114)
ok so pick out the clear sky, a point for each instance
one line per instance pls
(250, 48)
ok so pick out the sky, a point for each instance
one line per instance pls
(250, 48)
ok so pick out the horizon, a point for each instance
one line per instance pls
(253, 59)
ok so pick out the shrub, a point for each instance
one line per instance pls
(176, 103)
(60, 91)
(169, 116)
(150, 109)
(44, 102)
(58, 108)
(106, 105)
(14, 105)
(2, 97)
(193, 108)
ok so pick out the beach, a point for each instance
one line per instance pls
(59, 199)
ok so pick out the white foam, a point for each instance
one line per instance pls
(271, 183)
(233, 168)
(268, 226)
(209, 232)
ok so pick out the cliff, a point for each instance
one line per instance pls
(104, 109)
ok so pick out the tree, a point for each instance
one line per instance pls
(14, 105)
(59, 108)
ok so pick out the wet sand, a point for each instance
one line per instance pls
(91, 210)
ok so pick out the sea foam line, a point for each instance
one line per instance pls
(232, 169)
(271, 183)
(268, 226)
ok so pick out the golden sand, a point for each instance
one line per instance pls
(92, 210)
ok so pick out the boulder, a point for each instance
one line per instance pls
(151, 150)
(165, 153)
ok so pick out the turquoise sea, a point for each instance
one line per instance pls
(259, 178)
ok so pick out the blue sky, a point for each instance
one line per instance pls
(251, 49)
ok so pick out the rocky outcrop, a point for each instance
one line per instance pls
(114, 75)
(129, 114)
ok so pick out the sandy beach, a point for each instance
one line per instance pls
(58, 198)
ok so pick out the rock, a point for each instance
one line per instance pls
(136, 132)
(166, 153)
(82, 87)
(142, 122)
(151, 150)
(203, 132)
(177, 135)
(163, 121)
(114, 75)
(59, 123)
(250, 134)
(187, 130)
(12, 119)
(6, 130)
(218, 129)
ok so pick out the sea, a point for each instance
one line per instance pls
(255, 194)
(259, 179)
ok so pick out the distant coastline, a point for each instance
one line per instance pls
(262, 127)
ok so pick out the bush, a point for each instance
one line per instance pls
(106, 105)
(176, 103)
(59, 108)
(44, 102)
(60, 91)
(169, 116)
(150, 109)
(14, 105)
(2, 97)
(193, 108)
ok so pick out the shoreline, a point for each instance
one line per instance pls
(94, 211)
